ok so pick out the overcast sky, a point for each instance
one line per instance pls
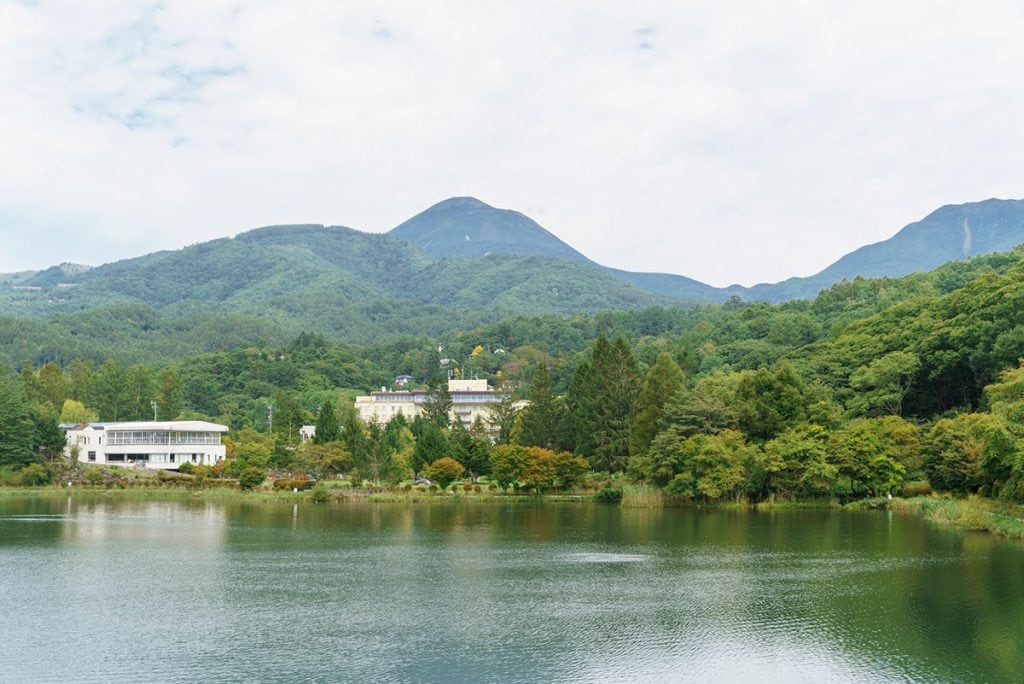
(727, 141)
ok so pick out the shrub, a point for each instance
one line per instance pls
(916, 488)
(187, 467)
(433, 489)
(477, 488)
(407, 487)
(468, 487)
(444, 471)
(251, 477)
(492, 487)
(320, 493)
(35, 474)
(93, 476)
(608, 495)
(285, 483)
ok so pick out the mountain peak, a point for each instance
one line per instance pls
(469, 228)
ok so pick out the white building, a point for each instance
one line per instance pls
(160, 445)
(307, 433)
(470, 399)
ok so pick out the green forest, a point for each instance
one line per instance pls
(876, 386)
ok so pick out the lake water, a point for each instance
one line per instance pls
(98, 591)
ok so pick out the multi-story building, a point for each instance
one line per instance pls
(470, 399)
(160, 445)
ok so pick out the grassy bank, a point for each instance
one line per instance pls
(971, 513)
(228, 494)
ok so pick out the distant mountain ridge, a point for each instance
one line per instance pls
(460, 260)
(466, 227)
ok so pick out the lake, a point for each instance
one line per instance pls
(96, 590)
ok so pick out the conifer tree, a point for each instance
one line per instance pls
(438, 404)
(327, 427)
(615, 390)
(663, 382)
(543, 419)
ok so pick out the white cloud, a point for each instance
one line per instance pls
(724, 141)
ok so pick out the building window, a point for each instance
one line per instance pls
(172, 458)
(92, 455)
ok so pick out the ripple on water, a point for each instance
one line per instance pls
(603, 557)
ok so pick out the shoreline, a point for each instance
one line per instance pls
(972, 514)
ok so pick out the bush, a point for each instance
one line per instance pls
(477, 488)
(407, 487)
(444, 471)
(285, 483)
(35, 474)
(608, 495)
(187, 467)
(468, 487)
(93, 476)
(916, 488)
(251, 477)
(320, 493)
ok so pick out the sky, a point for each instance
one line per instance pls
(734, 142)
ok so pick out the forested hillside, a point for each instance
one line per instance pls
(873, 384)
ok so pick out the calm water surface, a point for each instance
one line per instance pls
(99, 591)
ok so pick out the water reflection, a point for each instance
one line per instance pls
(517, 592)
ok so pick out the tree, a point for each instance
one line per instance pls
(662, 384)
(168, 394)
(108, 390)
(768, 402)
(431, 444)
(955, 450)
(502, 418)
(322, 461)
(444, 471)
(51, 388)
(543, 418)
(49, 438)
(327, 427)
(17, 429)
(251, 477)
(74, 412)
(438, 404)
(882, 385)
(797, 462)
(358, 442)
(615, 386)
(580, 407)
(508, 464)
(472, 449)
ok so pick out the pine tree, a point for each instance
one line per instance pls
(327, 427)
(543, 419)
(431, 444)
(579, 400)
(438, 404)
(17, 430)
(663, 382)
(616, 386)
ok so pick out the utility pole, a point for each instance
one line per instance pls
(153, 404)
(270, 416)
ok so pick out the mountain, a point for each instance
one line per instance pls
(458, 264)
(952, 232)
(466, 227)
(358, 287)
